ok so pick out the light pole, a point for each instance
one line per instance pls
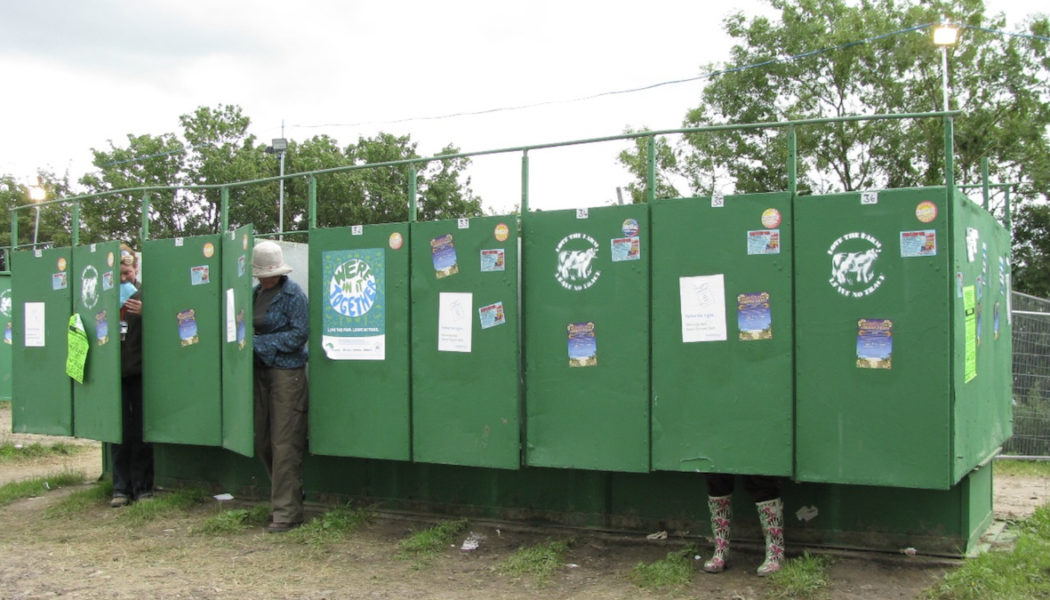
(945, 35)
(280, 145)
(37, 194)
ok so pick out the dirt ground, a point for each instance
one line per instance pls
(99, 555)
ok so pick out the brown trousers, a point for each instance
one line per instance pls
(281, 402)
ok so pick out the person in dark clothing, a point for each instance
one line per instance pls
(133, 457)
(765, 493)
(281, 319)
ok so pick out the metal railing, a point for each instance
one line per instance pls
(1031, 371)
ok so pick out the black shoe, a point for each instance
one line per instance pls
(281, 527)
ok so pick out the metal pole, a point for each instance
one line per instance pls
(944, 76)
(650, 172)
(280, 200)
(412, 190)
(36, 227)
(524, 182)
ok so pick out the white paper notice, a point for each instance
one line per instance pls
(231, 317)
(34, 312)
(703, 308)
(454, 322)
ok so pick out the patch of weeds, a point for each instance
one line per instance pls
(423, 546)
(800, 578)
(330, 527)
(1026, 468)
(233, 521)
(38, 486)
(540, 561)
(676, 570)
(78, 502)
(145, 510)
(1023, 572)
(10, 451)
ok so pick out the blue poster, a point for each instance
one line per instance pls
(753, 316)
(353, 321)
(875, 343)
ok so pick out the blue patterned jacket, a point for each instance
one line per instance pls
(281, 342)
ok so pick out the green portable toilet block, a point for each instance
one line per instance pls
(902, 338)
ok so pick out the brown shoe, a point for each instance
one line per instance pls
(281, 527)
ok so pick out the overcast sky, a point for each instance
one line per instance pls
(80, 73)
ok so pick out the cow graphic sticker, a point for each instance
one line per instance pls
(576, 260)
(855, 271)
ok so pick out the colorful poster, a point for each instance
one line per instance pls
(353, 317)
(583, 345)
(199, 275)
(443, 251)
(101, 328)
(875, 344)
(995, 321)
(703, 308)
(454, 321)
(492, 315)
(753, 316)
(628, 248)
(493, 260)
(970, 327)
(187, 327)
(763, 241)
(918, 243)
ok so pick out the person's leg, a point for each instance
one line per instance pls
(288, 436)
(261, 392)
(141, 454)
(121, 454)
(720, 505)
(765, 491)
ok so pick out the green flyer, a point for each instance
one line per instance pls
(969, 304)
(78, 348)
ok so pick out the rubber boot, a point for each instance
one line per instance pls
(771, 516)
(721, 508)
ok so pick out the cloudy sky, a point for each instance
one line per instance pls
(81, 73)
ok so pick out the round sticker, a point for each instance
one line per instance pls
(109, 259)
(502, 232)
(770, 218)
(209, 250)
(396, 240)
(926, 211)
(62, 264)
(630, 227)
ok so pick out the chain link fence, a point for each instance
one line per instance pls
(1031, 341)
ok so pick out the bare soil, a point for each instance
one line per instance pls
(100, 555)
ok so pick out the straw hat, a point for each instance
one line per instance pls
(268, 260)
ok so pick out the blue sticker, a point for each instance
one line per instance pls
(101, 328)
(493, 260)
(583, 345)
(199, 275)
(187, 327)
(58, 281)
(628, 248)
(753, 316)
(763, 241)
(875, 344)
(492, 315)
(918, 243)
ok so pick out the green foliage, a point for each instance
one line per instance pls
(673, 571)
(1030, 468)
(330, 527)
(1031, 250)
(75, 504)
(802, 577)
(10, 452)
(540, 561)
(233, 521)
(427, 544)
(1020, 574)
(38, 486)
(146, 510)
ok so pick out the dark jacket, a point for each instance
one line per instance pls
(281, 341)
(131, 345)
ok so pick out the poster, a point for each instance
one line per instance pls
(34, 333)
(703, 308)
(875, 344)
(970, 327)
(353, 317)
(455, 311)
(753, 316)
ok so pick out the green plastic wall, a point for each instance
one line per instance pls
(880, 351)
(586, 338)
(182, 333)
(359, 342)
(97, 411)
(238, 405)
(6, 312)
(466, 399)
(723, 400)
(42, 393)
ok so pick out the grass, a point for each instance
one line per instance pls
(144, 511)
(330, 527)
(1027, 468)
(234, 521)
(78, 502)
(673, 571)
(38, 486)
(1021, 573)
(10, 451)
(540, 561)
(425, 545)
(802, 577)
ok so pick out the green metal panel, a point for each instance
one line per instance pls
(238, 405)
(182, 335)
(359, 346)
(97, 410)
(873, 378)
(42, 393)
(723, 401)
(983, 405)
(586, 314)
(465, 358)
(6, 307)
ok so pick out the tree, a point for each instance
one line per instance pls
(1031, 253)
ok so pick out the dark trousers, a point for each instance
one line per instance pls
(281, 402)
(133, 458)
(760, 487)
